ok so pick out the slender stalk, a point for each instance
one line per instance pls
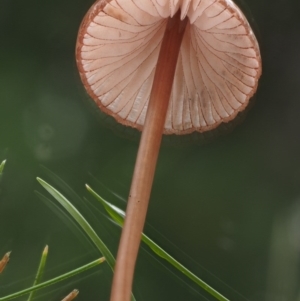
(146, 160)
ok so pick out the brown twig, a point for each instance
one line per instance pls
(71, 296)
(4, 261)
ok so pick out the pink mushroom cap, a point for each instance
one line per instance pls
(217, 70)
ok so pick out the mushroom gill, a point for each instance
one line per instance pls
(217, 71)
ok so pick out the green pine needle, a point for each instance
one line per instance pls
(118, 216)
(2, 166)
(54, 280)
(40, 271)
(90, 232)
(81, 221)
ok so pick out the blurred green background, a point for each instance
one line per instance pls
(229, 210)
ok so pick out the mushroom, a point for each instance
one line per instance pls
(164, 66)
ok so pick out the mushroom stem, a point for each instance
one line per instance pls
(146, 159)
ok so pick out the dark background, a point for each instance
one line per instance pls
(229, 210)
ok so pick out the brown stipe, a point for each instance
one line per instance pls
(146, 159)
